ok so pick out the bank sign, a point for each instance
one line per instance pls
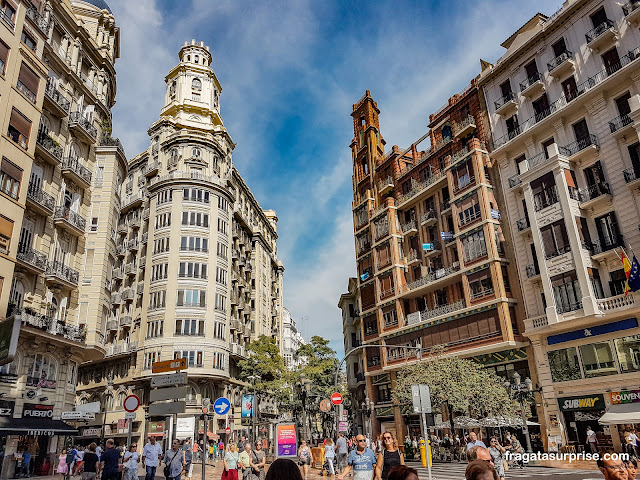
(585, 402)
(625, 396)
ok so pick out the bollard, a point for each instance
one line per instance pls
(423, 456)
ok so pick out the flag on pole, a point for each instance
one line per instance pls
(626, 264)
(633, 283)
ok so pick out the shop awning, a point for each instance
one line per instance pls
(621, 413)
(31, 426)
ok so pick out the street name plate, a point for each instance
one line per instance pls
(77, 416)
(130, 415)
(169, 393)
(167, 408)
(169, 380)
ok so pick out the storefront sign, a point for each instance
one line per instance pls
(586, 402)
(156, 427)
(46, 433)
(632, 396)
(593, 331)
(36, 410)
(91, 432)
(286, 440)
(6, 408)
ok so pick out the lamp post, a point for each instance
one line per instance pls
(521, 392)
(254, 379)
(367, 410)
(303, 389)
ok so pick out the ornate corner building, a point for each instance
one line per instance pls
(57, 88)
(194, 271)
(434, 266)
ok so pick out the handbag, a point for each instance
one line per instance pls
(167, 468)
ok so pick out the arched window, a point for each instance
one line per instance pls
(192, 394)
(17, 293)
(446, 132)
(196, 152)
(74, 151)
(120, 400)
(107, 402)
(196, 84)
(42, 371)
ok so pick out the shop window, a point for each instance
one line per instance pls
(597, 360)
(19, 128)
(564, 364)
(42, 371)
(628, 352)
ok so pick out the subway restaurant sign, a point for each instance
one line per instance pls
(625, 396)
(585, 402)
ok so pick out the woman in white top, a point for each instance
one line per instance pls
(131, 463)
(330, 454)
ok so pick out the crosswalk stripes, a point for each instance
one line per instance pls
(455, 471)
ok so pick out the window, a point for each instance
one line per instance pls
(94, 224)
(28, 40)
(190, 327)
(192, 270)
(628, 351)
(480, 284)
(197, 153)
(6, 231)
(165, 196)
(10, 178)
(564, 364)
(597, 360)
(42, 371)
(221, 276)
(222, 226)
(194, 357)
(163, 220)
(174, 157)
(219, 330)
(221, 302)
(570, 88)
(19, 128)
(222, 250)
(159, 272)
(559, 48)
(196, 219)
(149, 359)
(617, 282)
(191, 298)
(7, 13)
(4, 55)
(155, 328)
(555, 239)
(566, 290)
(28, 83)
(474, 246)
(195, 194)
(470, 211)
(157, 299)
(194, 244)
(219, 361)
(513, 126)
(608, 232)
(223, 204)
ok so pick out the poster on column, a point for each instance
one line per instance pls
(286, 440)
(247, 406)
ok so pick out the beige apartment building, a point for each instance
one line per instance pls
(564, 107)
(57, 88)
(193, 271)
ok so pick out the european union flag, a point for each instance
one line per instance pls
(634, 276)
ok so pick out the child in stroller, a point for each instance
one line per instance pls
(325, 466)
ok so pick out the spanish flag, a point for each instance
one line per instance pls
(627, 271)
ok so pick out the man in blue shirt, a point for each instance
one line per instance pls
(362, 461)
(109, 462)
(474, 442)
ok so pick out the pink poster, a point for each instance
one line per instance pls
(287, 440)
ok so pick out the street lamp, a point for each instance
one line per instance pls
(367, 410)
(521, 392)
(254, 379)
(303, 389)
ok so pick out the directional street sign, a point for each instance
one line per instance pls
(131, 403)
(168, 365)
(169, 393)
(167, 408)
(221, 406)
(77, 416)
(168, 380)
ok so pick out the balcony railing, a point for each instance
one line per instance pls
(504, 100)
(65, 213)
(481, 293)
(460, 126)
(387, 182)
(630, 175)
(419, 187)
(532, 270)
(514, 181)
(381, 230)
(419, 317)
(412, 256)
(470, 218)
(78, 119)
(630, 7)
(128, 294)
(108, 141)
(463, 183)
(559, 60)
(614, 303)
(32, 257)
(407, 227)
(373, 361)
(594, 191)
(428, 216)
(63, 272)
(600, 246)
(51, 325)
(591, 35)
(557, 252)
(74, 165)
(47, 144)
(620, 122)
(568, 307)
(40, 197)
(523, 224)
(530, 81)
(26, 91)
(432, 277)
(579, 145)
(33, 14)
(54, 94)
(545, 198)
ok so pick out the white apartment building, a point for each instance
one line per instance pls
(292, 340)
(564, 107)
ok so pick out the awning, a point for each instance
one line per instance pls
(32, 426)
(621, 413)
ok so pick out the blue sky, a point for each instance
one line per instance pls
(290, 72)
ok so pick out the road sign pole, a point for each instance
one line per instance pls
(203, 452)
(129, 434)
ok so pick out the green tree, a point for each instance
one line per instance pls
(264, 360)
(464, 385)
(319, 365)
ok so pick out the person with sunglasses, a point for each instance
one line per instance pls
(362, 461)
(174, 461)
(131, 463)
(613, 469)
(497, 455)
(388, 457)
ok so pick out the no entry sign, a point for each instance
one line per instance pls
(336, 398)
(131, 403)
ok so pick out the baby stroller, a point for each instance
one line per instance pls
(325, 466)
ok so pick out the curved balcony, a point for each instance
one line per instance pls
(125, 321)
(69, 220)
(60, 274)
(32, 260)
(631, 11)
(48, 149)
(128, 294)
(112, 325)
(40, 201)
(51, 325)
(116, 299)
(385, 185)
(55, 102)
(409, 227)
(82, 127)
(151, 169)
(428, 218)
(465, 127)
(75, 171)
(514, 181)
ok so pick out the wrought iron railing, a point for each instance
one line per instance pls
(54, 94)
(65, 213)
(74, 165)
(594, 33)
(51, 325)
(620, 122)
(559, 60)
(504, 100)
(579, 145)
(536, 77)
(78, 119)
(48, 144)
(62, 271)
(33, 258)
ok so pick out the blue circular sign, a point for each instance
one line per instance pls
(221, 406)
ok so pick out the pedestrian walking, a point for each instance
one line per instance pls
(342, 452)
(480, 470)
(79, 460)
(131, 463)
(230, 471)
(244, 460)
(258, 460)
(306, 458)
(241, 443)
(110, 462)
(187, 452)
(362, 461)
(497, 455)
(173, 461)
(91, 466)
(151, 456)
(330, 455)
(592, 440)
(389, 457)
(62, 463)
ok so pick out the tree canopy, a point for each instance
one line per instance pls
(264, 360)
(464, 385)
